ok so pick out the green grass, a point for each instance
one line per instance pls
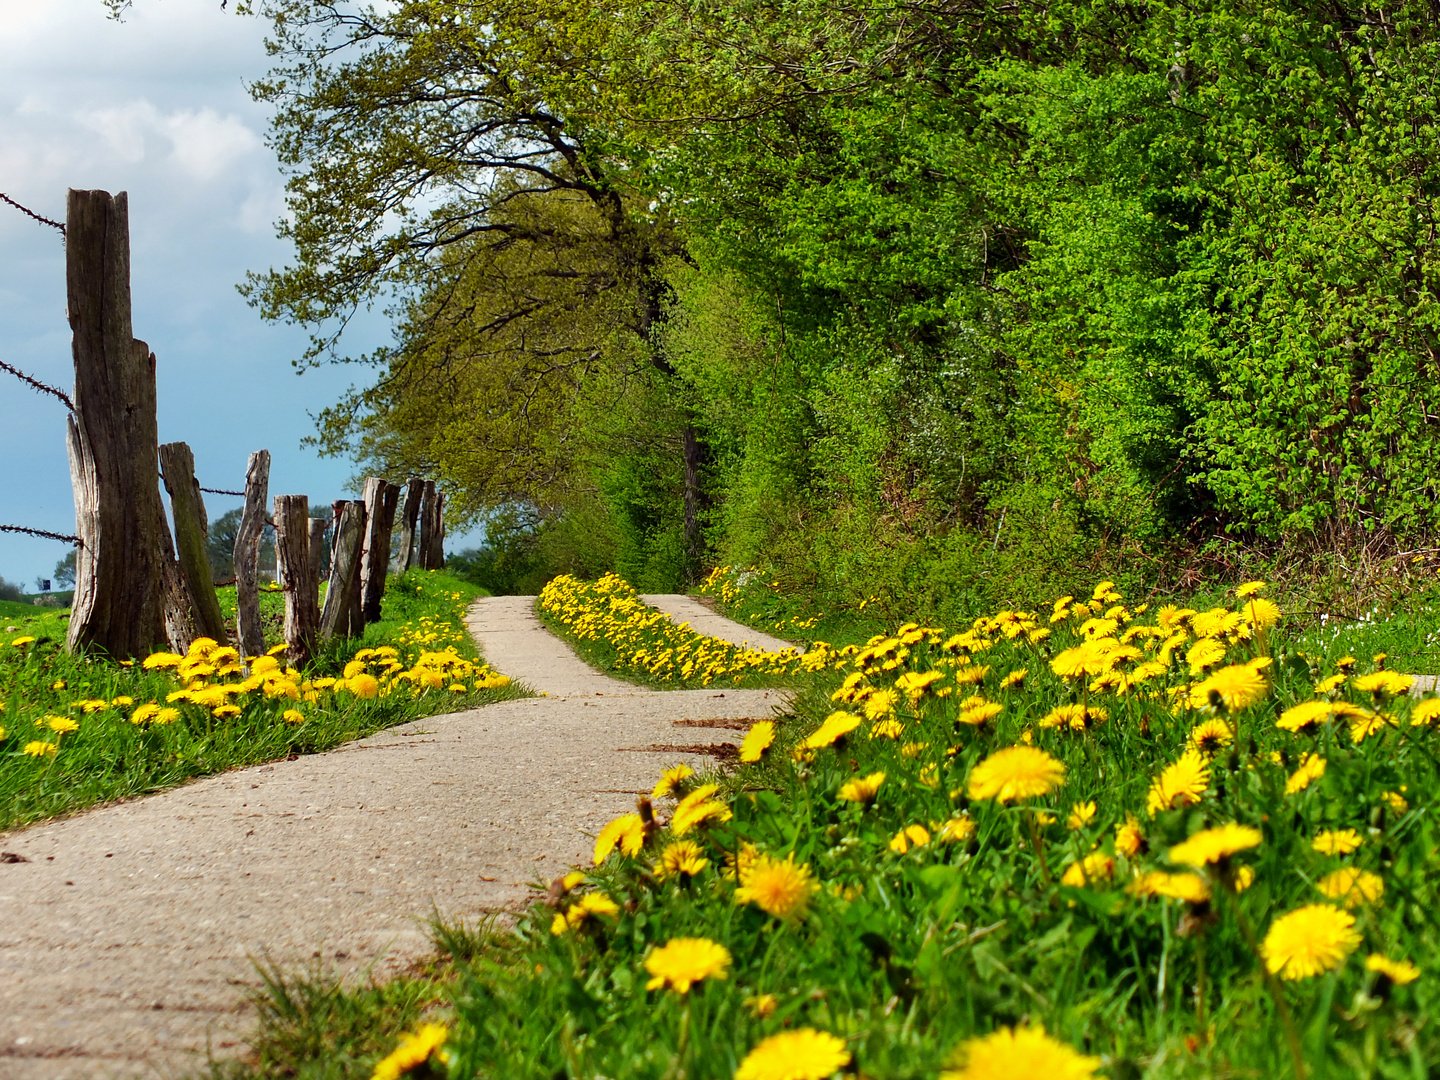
(906, 955)
(109, 758)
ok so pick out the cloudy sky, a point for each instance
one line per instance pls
(156, 106)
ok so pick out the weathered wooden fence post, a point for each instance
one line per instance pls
(380, 502)
(432, 529)
(293, 537)
(344, 569)
(247, 556)
(187, 507)
(119, 602)
(427, 525)
(179, 623)
(414, 492)
(317, 555)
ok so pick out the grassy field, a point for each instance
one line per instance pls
(78, 731)
(1087, 840)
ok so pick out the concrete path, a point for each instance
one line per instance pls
(128, 934)
(686, 609)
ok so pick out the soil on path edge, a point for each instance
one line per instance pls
(127, 935)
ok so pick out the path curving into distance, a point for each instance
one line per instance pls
(127, 934)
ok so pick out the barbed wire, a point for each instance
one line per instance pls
(31, 213)
(42, 534)
(44, 388)
(220, 491)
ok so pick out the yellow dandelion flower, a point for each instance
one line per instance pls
(914, 684)
(697, 808)
(887, 729)
(1073, 717)
(1299, 717)
(684, 857)
(762, 1005)
(682, 962)
(1016, 772)
(1395, 801)
(1425, 712)
(1191, 888)
(880, 704)
(836, 726)
(864, 789)
(1237, 686)
(166, 716)
(1209, 736)
(1203, 654)
(955, 831)
(1013, 1053)
(1095, 867)
(908, 837)
(802, 1054)
(976, 711)
(1352, 887)
(588, 908)
(1336, 841)
(61, 725)
(1129, 839)
(1333, 683)
(757, 740)
(1311, 768)
(1383, 683)
(1179, 784)
(1092, 658)
(1081, 814)
(293, 716)
(1250, 588)
(1261, 612)
(161, 660)
(1398, 972)
(1213, 845)
(39, 749)
(670, 779)
(778, 886)
(1309, 940)
(363, 686)
(627, 833)
(414, 1050)
(1015, 678)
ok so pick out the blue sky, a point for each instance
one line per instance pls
(156, 106)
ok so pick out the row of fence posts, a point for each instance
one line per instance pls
(135, 584)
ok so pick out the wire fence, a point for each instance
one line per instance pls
(42, 533)
(32, 214)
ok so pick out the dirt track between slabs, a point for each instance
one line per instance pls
(129, 931)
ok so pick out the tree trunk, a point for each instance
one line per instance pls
(694, 531)
(187, 507)
(344, 566)
(119, 600)
(294, 536)
(414, 493)
(380, 502)
(247, 556)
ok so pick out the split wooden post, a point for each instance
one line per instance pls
(414, 492)
(317, 554)
(247, 556)
(381, 500)
(293, 537)
(187, 507)
(427, 525)
(119, 600)
(344, 568)
(179, 624)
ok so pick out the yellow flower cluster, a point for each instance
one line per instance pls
(644, 639)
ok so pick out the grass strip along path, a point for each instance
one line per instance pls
(130, 928)
(79, 730)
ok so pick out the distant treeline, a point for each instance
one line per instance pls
(934, 297)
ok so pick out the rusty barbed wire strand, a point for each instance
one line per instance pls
(44, 388)
(31, 213)
(219, 491)
(42, 534)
